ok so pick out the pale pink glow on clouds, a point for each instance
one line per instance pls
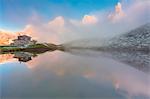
(6, 37)
(46, 32)
(118, 14)
(57, 22)
(89, 19)
(29, 29)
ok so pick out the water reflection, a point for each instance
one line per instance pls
(138, 59)
(6, 57)
(58, 74)
(23, 56)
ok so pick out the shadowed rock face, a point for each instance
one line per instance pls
(137, 39)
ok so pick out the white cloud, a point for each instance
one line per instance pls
(89, 19)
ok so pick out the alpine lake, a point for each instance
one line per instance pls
(74, 75)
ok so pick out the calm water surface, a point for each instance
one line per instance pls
(60, 75)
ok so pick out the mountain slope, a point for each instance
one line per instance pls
(137, 39)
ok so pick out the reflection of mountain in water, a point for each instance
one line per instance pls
(23, 56)
(137, 59)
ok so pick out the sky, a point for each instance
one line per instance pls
(60, 21)
(16, 13)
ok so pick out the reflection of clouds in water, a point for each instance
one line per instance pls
(47, 57)
(49, 85)
(133, 84)
(58, 63)
(123, 78)
(63, 74)
(6, 58)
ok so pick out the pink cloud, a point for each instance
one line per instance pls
(6, 37)
(57, 22)
(47, 32)
(118, 14)
(89, 19)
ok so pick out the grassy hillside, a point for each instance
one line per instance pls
(30, 48)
